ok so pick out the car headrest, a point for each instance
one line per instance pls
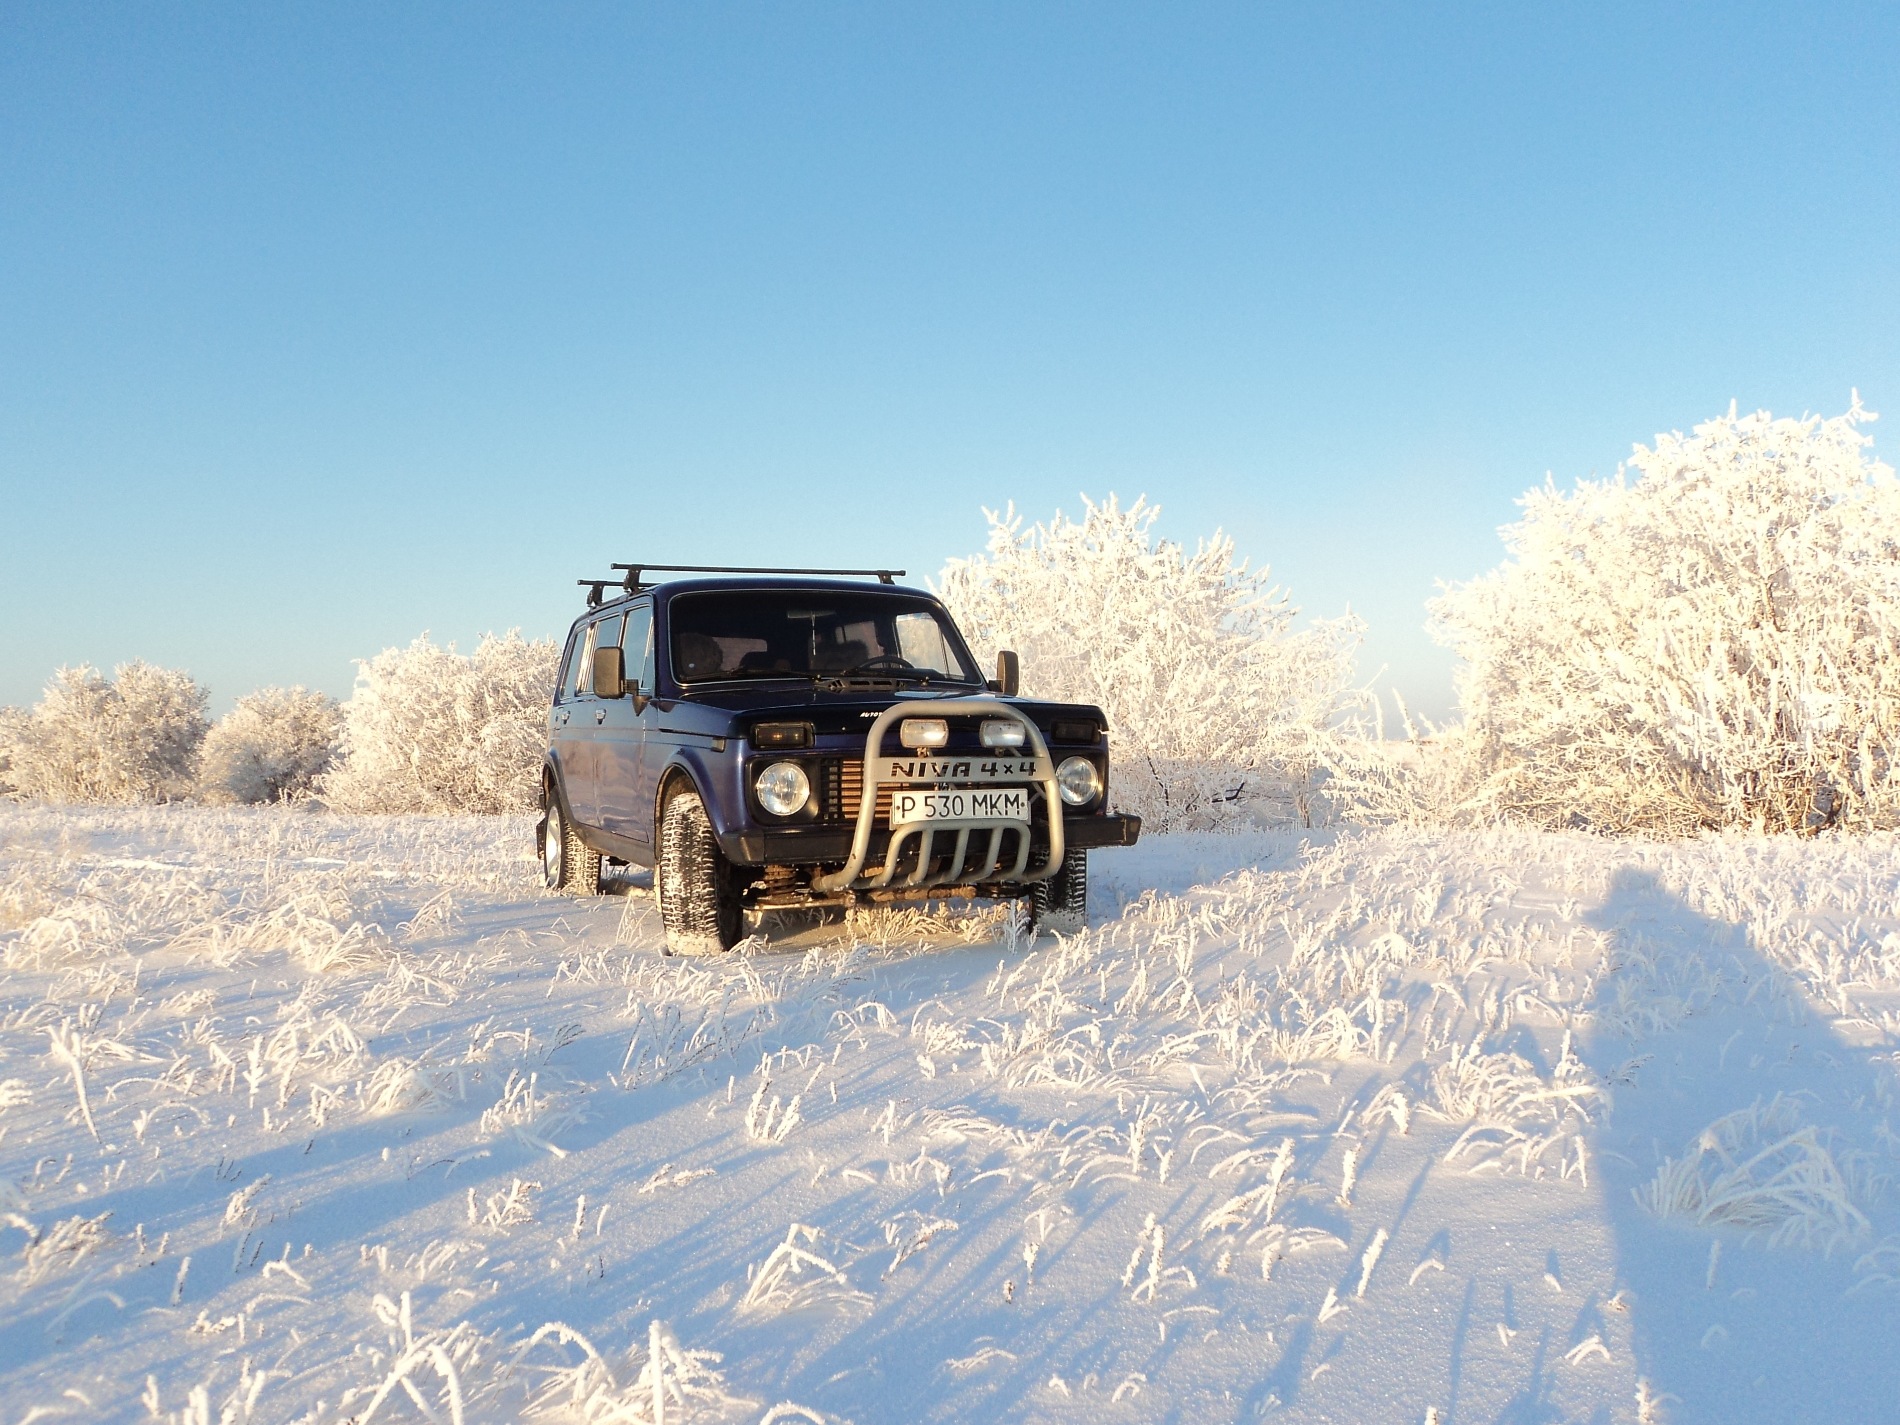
(695, 656)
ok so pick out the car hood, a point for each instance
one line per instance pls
(844, 710)
(793, 699)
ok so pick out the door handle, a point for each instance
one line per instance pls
(600, 715)
(563, 719)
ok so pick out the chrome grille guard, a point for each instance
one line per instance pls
(879, 769)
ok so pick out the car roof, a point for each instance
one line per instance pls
(672, 588)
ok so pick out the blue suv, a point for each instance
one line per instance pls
(802, 739)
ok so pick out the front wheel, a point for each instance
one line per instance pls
(567, 862)
(1061, 903)
(700, 908)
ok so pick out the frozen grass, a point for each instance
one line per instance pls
(1763, 1170)
(324, 1118)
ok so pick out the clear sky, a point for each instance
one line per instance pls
(322, 325)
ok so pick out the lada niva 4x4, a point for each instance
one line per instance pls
(774, 740)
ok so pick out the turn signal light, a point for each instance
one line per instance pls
(782, 734)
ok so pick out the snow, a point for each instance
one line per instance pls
(309, 1116)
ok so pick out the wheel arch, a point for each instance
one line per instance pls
(676, 778)
(554, 788)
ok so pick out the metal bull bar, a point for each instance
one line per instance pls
(879, 769)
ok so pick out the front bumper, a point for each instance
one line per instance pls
(831, 845)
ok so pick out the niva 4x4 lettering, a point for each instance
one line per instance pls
(775, 740)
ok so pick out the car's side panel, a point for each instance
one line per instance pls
(617, 750)
(654, 752)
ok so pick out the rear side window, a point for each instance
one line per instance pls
(580, 674)
(564, 686)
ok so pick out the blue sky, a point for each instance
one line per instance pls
(322, 325)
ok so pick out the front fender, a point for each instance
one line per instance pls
(719, 778)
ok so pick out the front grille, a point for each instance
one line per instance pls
(843, 791)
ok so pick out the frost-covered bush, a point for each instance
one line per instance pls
(1711, 643)
(271, 747)
(133, 737)
(432, 730)
(1430, 777)
(1214, 699)
(13, 729)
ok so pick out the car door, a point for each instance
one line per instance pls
(620, 740)
(574, 726)
(604, 634)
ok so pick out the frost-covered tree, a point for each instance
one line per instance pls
(14, 723)
(1708, 644)
(133, 737)
(428, 729)
(1214, 699)
(271, 747)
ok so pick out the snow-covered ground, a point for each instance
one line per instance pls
(328, 1118)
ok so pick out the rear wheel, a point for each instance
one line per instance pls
(700, 907)
(567, 862)
(1061, 903)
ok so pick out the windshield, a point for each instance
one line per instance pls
(813, 633)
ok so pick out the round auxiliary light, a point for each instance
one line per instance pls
(919, 733)
(1078, 781)
(1003, 732)
(784, 788)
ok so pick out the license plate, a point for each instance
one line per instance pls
(964, 804)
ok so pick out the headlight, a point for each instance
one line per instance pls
(1078, 781)
(784, 788)
(1003, 732)
(922, 732)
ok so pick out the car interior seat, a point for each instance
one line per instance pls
(697, 657)
(838, 657)
(763, 662)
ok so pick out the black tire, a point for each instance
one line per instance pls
(1061, 903)
(698, 889)
(567, 862)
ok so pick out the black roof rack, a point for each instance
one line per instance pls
(632, 583)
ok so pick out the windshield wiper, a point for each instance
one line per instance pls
(895, 679)
(761, 676)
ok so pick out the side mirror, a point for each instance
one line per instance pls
(1009, 673)
(610, 673)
